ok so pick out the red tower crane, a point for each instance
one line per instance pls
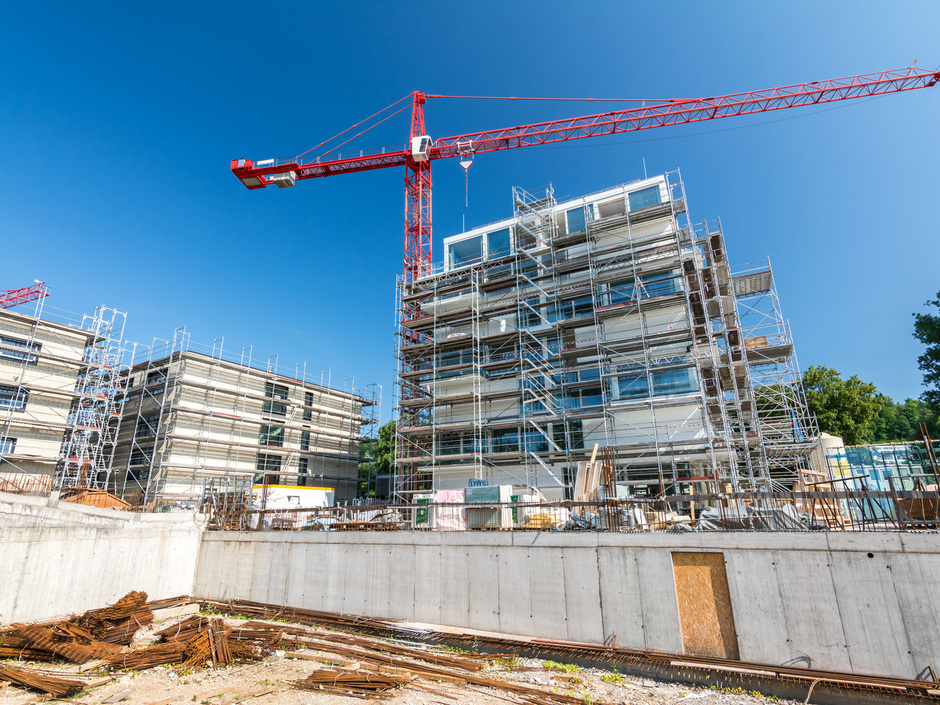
(416, 156)
(15, 297)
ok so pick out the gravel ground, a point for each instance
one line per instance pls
(269, 682)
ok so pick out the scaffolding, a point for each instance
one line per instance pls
(95, 416)
(62, 399)
(609, 319)
(200, 421)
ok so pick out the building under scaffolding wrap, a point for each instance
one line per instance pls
(607, 319)
(197, 418)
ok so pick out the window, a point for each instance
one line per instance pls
(139, 457)
(664, 383)
(644, 198)
(147, 426)
(454, 444)
(305, 440)
(13, 398)
(661, 284)
(571, 309)
(535, 441)
(308, 401)
(505, 441)
(7, 446)
(275, 391)
(272, 435)
(497, 244)
(465, 251)
(575, 435)
(530, 312)
(575, 219)
(303, 469)
(269, 468)
(21, 353)
(156, 376)
(632, 386)
(616, 207)
(674, 381)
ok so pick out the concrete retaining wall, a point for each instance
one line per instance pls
(866, 603)
(58, 558)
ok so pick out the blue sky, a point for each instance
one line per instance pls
(118, 122)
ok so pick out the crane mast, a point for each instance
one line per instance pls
(416, 156)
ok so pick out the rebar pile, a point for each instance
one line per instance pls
(356, 682)
(44, 683)
(95, 634)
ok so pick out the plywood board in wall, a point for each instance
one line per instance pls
(705, 605)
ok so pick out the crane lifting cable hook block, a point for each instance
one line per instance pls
(465, 150)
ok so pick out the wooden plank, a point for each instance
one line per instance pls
(705, 613)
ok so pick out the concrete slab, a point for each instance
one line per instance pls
(483, 581)
(620, 596)
(811, 610)
(428, 593)
(547, 587)
(658, 596)
(871, 614)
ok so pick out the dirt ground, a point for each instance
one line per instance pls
(271, 680)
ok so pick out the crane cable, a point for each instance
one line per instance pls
(353, 127)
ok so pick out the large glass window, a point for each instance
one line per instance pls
(465, 251)
(575, 219)
(535, 441)
(7, 446)
(674, 381)
(305, 440)
(644, 198)
(661, 284)
(13, 398)
(303, 466)
(632, 386)
(505, 441)
(497, 244)
(23, 351)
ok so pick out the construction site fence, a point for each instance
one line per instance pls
(839, 510)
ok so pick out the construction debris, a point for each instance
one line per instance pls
(357, 682)
(53, 685)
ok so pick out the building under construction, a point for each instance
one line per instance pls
(608, 319)
(197, 416)
(60, 398)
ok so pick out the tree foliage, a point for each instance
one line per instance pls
(927, 331)
(843, 408)
(376, 457)
(900, 422)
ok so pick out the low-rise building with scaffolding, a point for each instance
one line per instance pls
(60, 398)
(198, 418)
(607, 319)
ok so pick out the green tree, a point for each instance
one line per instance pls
(927, 331)
(901, 422)
(843, 408)
(385, 455)
(376, 457)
